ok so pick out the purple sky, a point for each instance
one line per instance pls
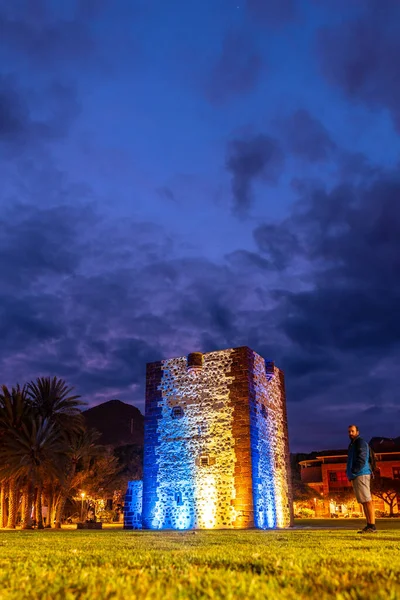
(180, 176)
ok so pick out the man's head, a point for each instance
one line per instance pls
(353, 432)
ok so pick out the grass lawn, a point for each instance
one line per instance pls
(382, 524)
(116, 564)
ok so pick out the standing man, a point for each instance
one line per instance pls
(359, 473)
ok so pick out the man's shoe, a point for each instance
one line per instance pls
(368, 529)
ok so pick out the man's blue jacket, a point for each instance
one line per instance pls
(358, 459)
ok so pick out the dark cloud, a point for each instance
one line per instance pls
(56, 313)
(62, 108)
(36, 244)
(167, 194)
(359, 55)
(44, 34)
(88, 9)
(13, 117)
(305, 365)
(237, 70)
(272, 12)
(97, 300)
(20, 127)
(350, 240)
(355, 229)
(248, 160)
(279, 244)
(307, 137)
(42, 43)
(336, 328)
(39, 38)
(26, 319)
(243, 259)
(121, 365)
(94, 300)
(344, 319)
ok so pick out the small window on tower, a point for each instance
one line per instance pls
(204, 461)
(178, 498)
(177, 412)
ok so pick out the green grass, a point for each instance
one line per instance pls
(382, 524)
(115, 564)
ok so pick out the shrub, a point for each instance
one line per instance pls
(306, 513)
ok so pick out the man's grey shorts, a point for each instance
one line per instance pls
(362, 488)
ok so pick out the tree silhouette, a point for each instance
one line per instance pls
(388, 490)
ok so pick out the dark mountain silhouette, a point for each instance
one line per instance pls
(119, 423)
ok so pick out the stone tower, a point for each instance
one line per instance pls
(216, 449)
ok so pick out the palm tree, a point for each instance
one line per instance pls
(51, 398)
(13, 498)
(81, 449)
(2, 503)
(51, 492)
(27, 454)
(14, 409)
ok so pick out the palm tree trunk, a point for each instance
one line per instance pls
(12, 504)
(2, 504)
(38, 507)
(60, 510)
(27, 513)
(22, 508)
(54, 503)
(49, 500)
(34, 517)
(64, 496)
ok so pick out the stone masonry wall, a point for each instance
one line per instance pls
(269, 447)
(216, 451)
(194, 450)
(239, 398)
(133, 505)
(151, 442)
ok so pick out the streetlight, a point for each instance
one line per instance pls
(82, 496)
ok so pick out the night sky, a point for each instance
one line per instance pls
(186, 175)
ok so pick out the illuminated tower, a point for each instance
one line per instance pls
(216, 449)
